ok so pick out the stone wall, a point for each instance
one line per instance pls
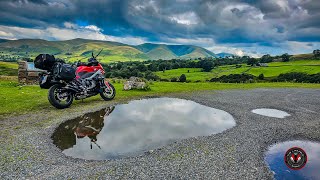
(26, 75)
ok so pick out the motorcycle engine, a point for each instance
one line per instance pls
(89, 84)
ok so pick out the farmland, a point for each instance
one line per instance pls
(273, 69)
(10, 69)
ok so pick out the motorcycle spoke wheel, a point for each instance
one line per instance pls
(58, 98)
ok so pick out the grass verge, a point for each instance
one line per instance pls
(18, 99)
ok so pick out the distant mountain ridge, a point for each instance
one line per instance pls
(223, 55)
(76, 49)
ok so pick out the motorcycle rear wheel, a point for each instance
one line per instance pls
(59, 99)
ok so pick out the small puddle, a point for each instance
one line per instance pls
(271, 113)
(134, 128)
(275, 159)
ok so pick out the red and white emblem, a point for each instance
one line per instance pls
(295, 158)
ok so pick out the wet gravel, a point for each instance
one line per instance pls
(27, 151)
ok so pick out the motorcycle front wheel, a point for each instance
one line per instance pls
(59, 98)
(108, 93)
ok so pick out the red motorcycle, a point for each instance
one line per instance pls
(67, 82)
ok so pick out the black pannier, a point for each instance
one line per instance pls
(44, 61)
(64, 72)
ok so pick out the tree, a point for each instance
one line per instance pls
(316, 53)
(285, 57)
(150, 76)
(135, 72)
(207, 65)
(142, 67)
(266, 58)
(175, 66)
(183, 78)
(162, 67)
(153, 67)
(119, 65)
(252, 61)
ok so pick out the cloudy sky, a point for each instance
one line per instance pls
(242, 27)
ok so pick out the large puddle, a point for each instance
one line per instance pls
(271, 113)
(133, 128)
(275, 160)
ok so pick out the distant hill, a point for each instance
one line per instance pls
(302, 56)
(76, 49)
(174, 51)
(3, 40)
(71, 49)
(223, 55)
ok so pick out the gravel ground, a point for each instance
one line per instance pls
(238, 153)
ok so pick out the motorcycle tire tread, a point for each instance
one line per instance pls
(52, 100)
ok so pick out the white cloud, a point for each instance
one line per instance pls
(70, 25)
(70, 31)
(188, 18)
(211, 45)
(232, 50)
(204, 42)
(93, 28)
(7, 35)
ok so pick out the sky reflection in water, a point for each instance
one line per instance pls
(133, 128)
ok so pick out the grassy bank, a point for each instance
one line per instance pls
(24, 99)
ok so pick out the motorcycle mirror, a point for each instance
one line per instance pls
(92, 54)
(98, 53)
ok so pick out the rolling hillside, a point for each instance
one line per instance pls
(154, 51)
(77, 49)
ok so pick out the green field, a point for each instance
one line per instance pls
(8, 69)
(18, 99)
(273, 69)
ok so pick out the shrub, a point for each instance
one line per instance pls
(234, 78)
(174, 79)
(164, 80)
(298, 77)
(261, 77)
(108, 74)
(151, 76)
(147, 87)
(183, 78)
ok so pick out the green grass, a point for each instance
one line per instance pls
(17, 99)
(273, 69)
(8, 68)
(196, 73)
